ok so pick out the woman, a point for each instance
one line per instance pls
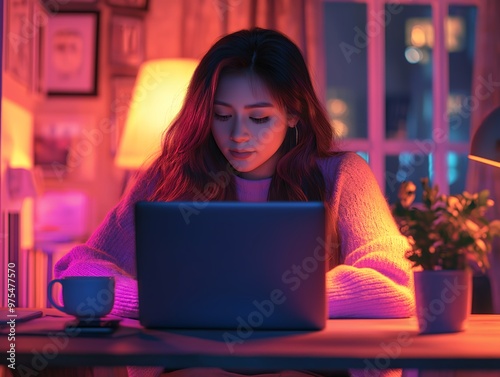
(253, 129)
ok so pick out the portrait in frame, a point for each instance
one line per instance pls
(71, 45)
(126, 41)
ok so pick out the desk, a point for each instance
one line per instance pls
(344, 343)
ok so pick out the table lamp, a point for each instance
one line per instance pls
(485, 144)
(157, 97)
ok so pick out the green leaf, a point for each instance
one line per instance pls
(483, 197)
(446, 230)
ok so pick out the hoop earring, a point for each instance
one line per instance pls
(296, 135)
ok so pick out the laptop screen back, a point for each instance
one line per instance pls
(231, 265)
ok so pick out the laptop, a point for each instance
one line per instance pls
(231, 265)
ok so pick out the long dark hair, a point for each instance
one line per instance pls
(191, 166)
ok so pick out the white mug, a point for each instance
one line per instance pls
(85, 297)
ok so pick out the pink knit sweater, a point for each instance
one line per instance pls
(374, 279)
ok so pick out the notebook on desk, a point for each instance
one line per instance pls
(231, 265)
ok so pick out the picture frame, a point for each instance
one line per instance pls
(19, 41)
(127, 40)
(130, 4)
(62, 146)
(70, 53)
(53, 7)
(122, 88)
(39, 21)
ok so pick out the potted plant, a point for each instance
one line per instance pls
(448, 234)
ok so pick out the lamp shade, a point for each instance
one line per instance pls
(157, 97)
(485, 145)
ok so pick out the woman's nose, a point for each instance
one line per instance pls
(239, 132)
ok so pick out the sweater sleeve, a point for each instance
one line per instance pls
(110, 251)
(374, 279)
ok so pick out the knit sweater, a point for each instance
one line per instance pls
(374, 278)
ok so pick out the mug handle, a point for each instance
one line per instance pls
(49, 294)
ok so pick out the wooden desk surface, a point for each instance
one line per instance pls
(344, 343)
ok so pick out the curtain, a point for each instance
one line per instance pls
(486, 97)
(188, 28)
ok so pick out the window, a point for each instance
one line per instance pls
(399, 77)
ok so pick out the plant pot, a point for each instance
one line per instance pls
(443, 300)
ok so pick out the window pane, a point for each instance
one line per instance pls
(457, 172)
(408, 69)
(413, 167)
(405, 167)
(460, 41)
(365, 156)
(346, 68)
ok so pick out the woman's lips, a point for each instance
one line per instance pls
(240, 155)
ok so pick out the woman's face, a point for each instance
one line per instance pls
(248, 126)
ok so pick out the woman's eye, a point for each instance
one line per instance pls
(222, 117)
(259, 120)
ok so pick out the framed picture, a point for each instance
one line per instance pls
(132, 4)
(126, 40)
(19, 40)
(70, 49)
(39, 17)
(62, 146)
(121, 96)
(56, 6)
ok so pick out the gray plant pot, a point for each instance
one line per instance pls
(443, 300)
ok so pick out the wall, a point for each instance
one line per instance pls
(90, 168)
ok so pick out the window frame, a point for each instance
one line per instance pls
(376, 145)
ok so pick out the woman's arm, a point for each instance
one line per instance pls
(110, 251)
(374, 278)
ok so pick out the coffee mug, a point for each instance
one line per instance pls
(85, 297)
